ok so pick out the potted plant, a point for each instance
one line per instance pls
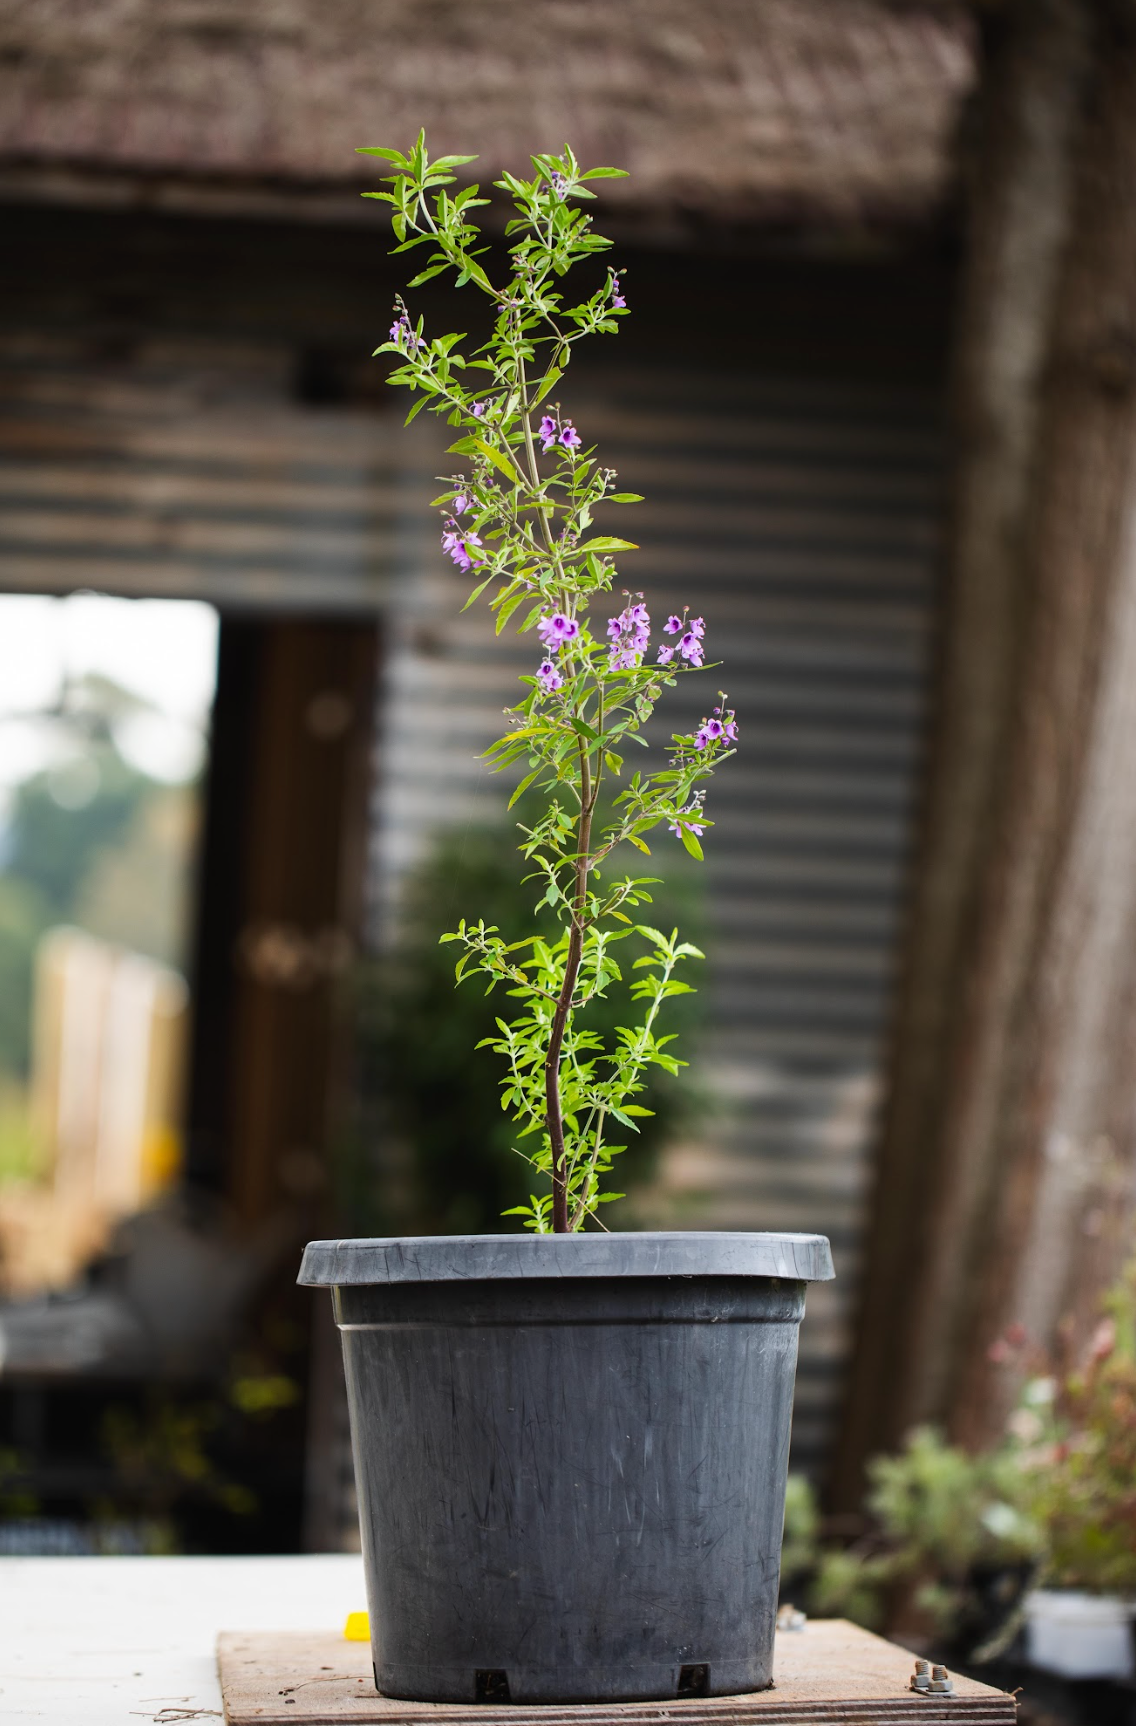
(570, 1446)
(950, 1544)
(1079, 1623)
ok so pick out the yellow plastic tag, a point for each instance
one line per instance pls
(357, 1628)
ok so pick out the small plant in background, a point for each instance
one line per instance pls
(963, 1536)
(955, 1532)
(1084, 1439)
(519, 519)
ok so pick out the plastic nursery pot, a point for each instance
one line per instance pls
(570, 1455)
(1079, 1635)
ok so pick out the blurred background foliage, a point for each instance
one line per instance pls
(95, 842)
(955, 1537)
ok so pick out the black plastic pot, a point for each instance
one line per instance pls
(570, 1454)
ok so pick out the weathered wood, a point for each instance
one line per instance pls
(831, 1671)
(1032, 71)
(1013, 1090)
(1047, 1097)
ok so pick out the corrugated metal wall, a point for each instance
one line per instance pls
(799, 516)
(183, 468)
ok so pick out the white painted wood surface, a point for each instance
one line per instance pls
(116, 1641)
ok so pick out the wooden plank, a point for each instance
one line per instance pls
(831, 1671)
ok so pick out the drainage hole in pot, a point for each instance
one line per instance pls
(491, 1685)
(693, 1681)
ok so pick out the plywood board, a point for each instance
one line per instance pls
(830, 1671)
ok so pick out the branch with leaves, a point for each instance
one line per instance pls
(520, 519)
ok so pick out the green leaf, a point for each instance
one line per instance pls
(605, 543)
(427, 274)
(547, 383)
(477, 592)
(525, 783)
(498, 460)
(506, 611)
(690, 841)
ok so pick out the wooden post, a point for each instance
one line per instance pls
(1010, 1127)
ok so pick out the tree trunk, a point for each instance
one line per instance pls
(1011, 1101)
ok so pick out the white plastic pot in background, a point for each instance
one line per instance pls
(1080, 1635)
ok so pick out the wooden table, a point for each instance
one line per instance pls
(115, 1641)
(828, 1673)
(123, 1641)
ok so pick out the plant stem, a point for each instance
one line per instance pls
(561, 1225)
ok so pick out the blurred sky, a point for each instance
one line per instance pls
(162, 652)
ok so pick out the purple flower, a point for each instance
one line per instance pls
(402, 334)
(460, 503)
(630, 635)
(697, 628)
(708, 732)
(457, 544)
(673, 624)
(666, 654)
(549, 678)
(729, 725)
(569, 436)
(559, 183)
(557, 628)
(548, 433)
(690, 819)
(477, 409)
(691, 648)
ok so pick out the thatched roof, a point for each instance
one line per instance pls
(801, 111)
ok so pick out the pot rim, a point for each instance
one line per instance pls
(661, 1253)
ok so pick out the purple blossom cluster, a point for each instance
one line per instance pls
(721, 727)
(689, 644)
(615, 289)
(556, 629)
(630, 634)
(457, 541)
(559, 183)
(552, 432)
(404, 336)
(690, 819)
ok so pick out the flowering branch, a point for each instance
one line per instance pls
(520, 519)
